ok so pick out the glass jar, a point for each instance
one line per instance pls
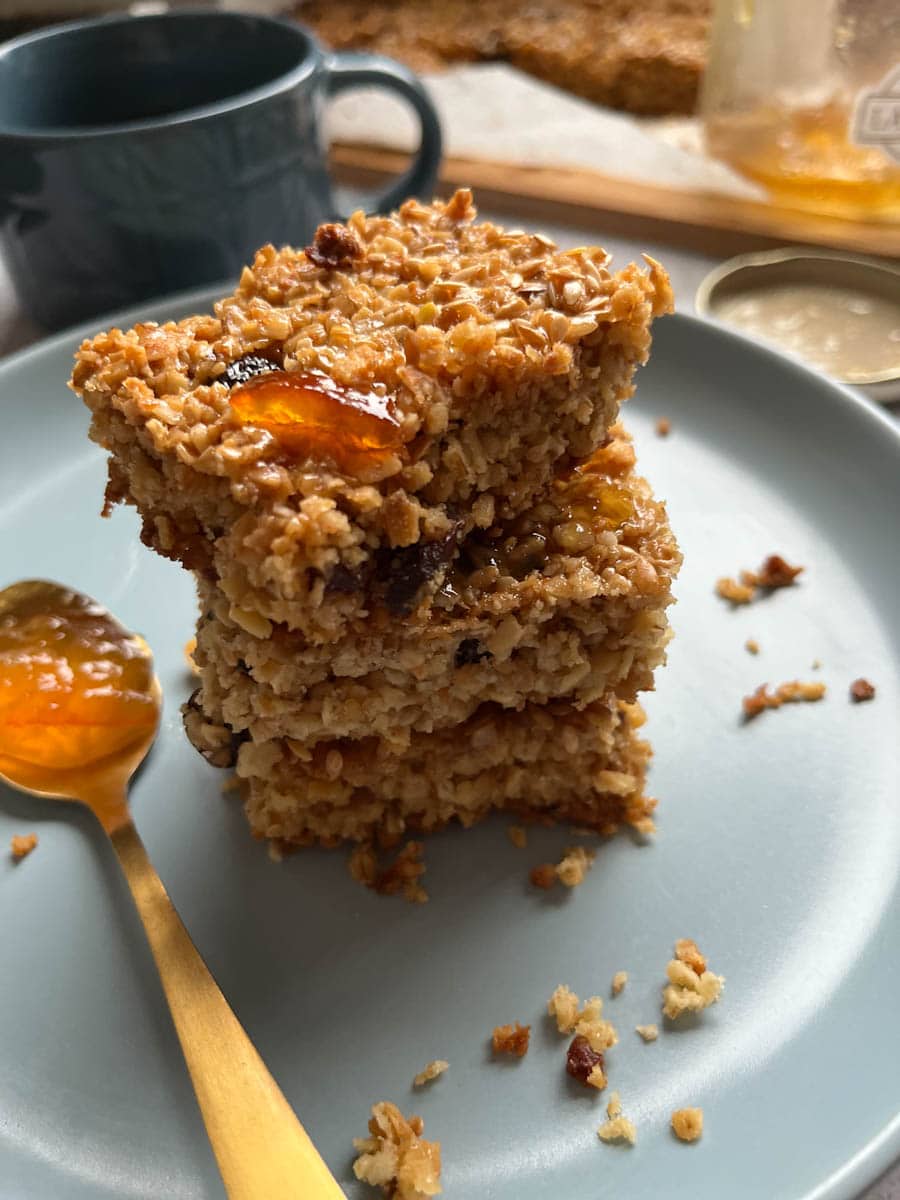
(803, 96)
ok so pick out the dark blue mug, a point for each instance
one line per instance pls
(141, 155)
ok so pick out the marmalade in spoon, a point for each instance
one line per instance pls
(75, 687)
(310, 415)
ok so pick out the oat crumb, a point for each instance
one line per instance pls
(570, 870)
(618, 982)
(648, 1032)
(663, 427)
(618, 1129)
(597, 1078)
(614, 1106)
(511, 1039)
(22, 845)
(402, 876)
(543, 876)
(691, 986)
(792, 692)
(563, 1005)
(276, 851)
(395, 1156)
(574, 865)
(775, 572)
(687, 951)
(736, 593)
(517, 835)
(861, 689)
(437, 1067)
(751, 646)
(688, 1123)
(817, 664)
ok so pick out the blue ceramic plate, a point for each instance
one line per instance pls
(778, 850)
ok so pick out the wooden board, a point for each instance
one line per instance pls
(709, 222)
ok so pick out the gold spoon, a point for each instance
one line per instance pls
(79, 709)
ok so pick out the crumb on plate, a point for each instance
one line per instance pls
(792, 692)
(570, 870)
(737, 593)
(584, 1063)
(691, 986)
(687, 1123)
(861, 689)
(614, 1105)
(775, 572)
(751, 646)
(663, 427)
(403, 875)
(618, 982)
(435, 1068)
(517, 835)
(618, 1129)
(22, 845)
(395, 1156)
(648, 1032)
(511, 1039)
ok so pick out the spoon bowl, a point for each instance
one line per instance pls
(74, 683)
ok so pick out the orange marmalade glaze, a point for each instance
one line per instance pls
(310, 415)
(75, 687)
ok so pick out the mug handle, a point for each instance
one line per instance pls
(346, 71)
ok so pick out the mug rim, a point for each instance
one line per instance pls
(198, 112)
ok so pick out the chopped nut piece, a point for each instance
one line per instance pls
(687, 951)
(619, 980)
(574, 865)
(435, 1068)
(22, 845)
(774, 573)
(688, 1123)
(663, 427)
(582, 1060)
(648, 1032)
(737, 593)
(517, 836)
(861, 689)
(618, 1129)
(543, 876)
(396, 1158)
(334, 247)
(614, 1106)
(688, 989)
(786, 693)
(511, 1039)
(751, 646)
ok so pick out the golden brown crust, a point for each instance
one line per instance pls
(645, 57)
(500, 356)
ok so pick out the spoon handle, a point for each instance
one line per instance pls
(262, 1150)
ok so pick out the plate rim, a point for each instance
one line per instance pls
(881, 1152)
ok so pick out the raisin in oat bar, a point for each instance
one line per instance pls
(547, 762)
(568, 600)
(319, 446)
